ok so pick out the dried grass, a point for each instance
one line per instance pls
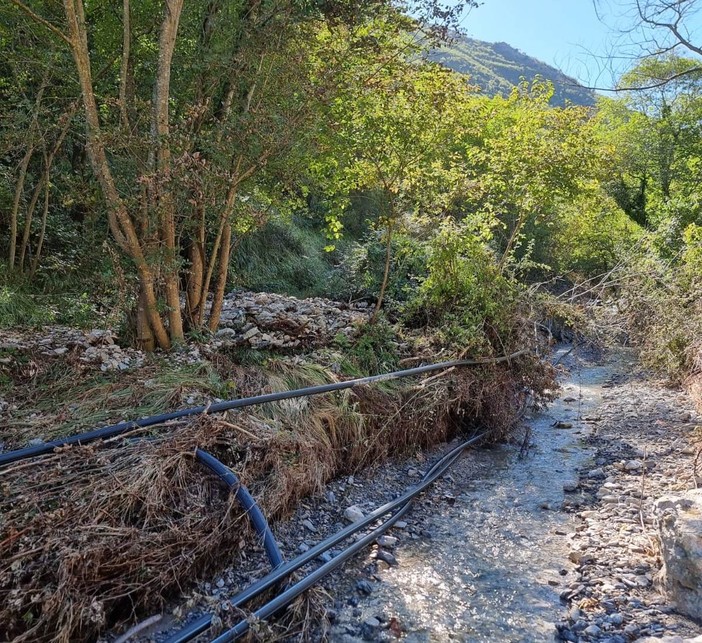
(95, 535)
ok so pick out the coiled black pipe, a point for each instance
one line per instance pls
(401, 505)
(241, 493)
(114, 430)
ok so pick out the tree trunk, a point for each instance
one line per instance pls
(120, 223)
(124, 67)
(48, 162)
(160, 131)
(43, 184)
(145, 336)
(386, 271)
(510, 242)
(19, 190)
(29, 215)
(42, 232)
(218, 299)
(196, 274)
(22, 176)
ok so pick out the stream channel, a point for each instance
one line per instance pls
(496, 556)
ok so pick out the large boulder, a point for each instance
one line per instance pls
(680, 532)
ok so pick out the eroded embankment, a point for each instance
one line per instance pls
(98, 534)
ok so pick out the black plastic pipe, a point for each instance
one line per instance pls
(114, 430)
(285, 598)
(241, 493)
(402, 503)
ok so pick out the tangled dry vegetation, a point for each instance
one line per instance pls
(95, 535)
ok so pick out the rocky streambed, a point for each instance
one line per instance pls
(553, 538)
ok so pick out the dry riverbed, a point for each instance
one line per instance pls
(550, 539)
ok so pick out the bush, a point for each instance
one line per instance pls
(590, 236)
(663, 306)
(374, 350)
(19, 307)
(362, 264)
(464, 297)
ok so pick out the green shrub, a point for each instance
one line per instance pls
(464, 297)
(363, 262)
(373, 351)
(663, 306)
(19, 307)
(589, 236)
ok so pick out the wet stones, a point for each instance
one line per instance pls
(571, 485)
(596, 474)
(643, 453)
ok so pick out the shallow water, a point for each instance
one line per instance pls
(495, 564)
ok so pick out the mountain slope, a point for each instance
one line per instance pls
(497, 67)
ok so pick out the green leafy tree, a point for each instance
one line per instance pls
(530, 157)
(395, 135)
(194, 115)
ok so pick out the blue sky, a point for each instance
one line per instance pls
(565, 33)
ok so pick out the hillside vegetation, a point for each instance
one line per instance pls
(497, 68)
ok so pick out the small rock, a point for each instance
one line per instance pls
(354, 513)
(596, 474)
(251, 333)
(364, 587)
(574, 614)
(309, 526)
(386, 557)
(581, 558)
(571, 485)
(615, 619)
(592, 630)
(387, 541)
